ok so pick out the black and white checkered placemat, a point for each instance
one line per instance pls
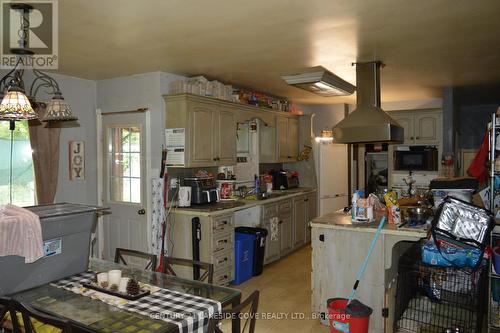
(189, 312)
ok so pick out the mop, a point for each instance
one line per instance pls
(345, 326)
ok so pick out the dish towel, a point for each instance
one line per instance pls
(157, 215)
(20, 234)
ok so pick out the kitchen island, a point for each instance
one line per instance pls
(338, 250)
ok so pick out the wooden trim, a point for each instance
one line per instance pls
(125, 112)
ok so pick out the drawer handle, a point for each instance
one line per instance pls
(223, 260)
(280, 222)
(223, 241)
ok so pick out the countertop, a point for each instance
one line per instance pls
(287, 194)
(338, 220)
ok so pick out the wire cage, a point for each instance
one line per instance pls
(431, 299)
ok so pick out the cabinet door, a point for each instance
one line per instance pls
(299, 221)
(267, 142)
(272, 252)
(427, 128)
(226, 138)
(285, 235)
(311, 213)
(293, 139)
(282, 139)
(202, 134)
(406, 121)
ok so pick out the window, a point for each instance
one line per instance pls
(124, 163)
(23, 179)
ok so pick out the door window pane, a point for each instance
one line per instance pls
(124, 164)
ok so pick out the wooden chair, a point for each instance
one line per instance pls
(248, 306)
(29, 314)
(7, 306)
(208, 269)
(151, 258)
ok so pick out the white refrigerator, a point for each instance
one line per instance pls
(332, 173)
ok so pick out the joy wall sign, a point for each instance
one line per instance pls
(77, 160)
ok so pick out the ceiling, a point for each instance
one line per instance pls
(425, 45)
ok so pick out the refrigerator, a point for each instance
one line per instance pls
(332, 175)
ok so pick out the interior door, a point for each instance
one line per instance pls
(124, 182)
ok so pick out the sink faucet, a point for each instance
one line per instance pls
(410, 181)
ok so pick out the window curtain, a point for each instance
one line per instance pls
(44, 139)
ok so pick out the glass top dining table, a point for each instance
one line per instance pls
(90, 315)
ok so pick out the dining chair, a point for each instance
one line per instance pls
(248, 306)
(7, 306)
(120, 253)
(170, 262)
(31, 315)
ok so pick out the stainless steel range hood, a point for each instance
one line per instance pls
(368, 123)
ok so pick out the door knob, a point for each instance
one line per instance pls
(141, 211)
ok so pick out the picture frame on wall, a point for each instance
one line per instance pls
(76, 160)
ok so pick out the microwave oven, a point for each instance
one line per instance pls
(416, 158)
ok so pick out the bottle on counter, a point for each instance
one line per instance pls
(257, 184)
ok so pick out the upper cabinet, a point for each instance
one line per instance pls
(211, 129)
(288, 139)
(420, 127)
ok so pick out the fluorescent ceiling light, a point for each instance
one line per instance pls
(319, 81)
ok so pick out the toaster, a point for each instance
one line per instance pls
(203, 190)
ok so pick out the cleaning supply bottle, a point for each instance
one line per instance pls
(257, 185)
(354, 208)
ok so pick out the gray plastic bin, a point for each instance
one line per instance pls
(66, 230)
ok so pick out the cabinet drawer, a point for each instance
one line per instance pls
(223, 260)
(222, 241)
(270, 211)
(223, 276)
(223, 223)
(285, 207)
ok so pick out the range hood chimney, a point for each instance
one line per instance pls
(368, 123)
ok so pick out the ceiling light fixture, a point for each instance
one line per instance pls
(15, 104)
(319, 81)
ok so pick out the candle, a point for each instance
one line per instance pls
(102, 280)
(114, 277)
(123, 285)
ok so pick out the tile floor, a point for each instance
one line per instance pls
(285, 288)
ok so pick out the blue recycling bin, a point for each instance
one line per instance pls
(243, 257)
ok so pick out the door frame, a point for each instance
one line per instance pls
(100, 184)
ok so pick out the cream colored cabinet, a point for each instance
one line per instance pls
(299, 221)
(201, 131)
(210, 129)
(226, 137)
(288, 139)
(267, 141)
(311, 213)
(420, 127)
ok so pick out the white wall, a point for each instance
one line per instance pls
(326, 115)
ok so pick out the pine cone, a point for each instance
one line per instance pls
(133, 287)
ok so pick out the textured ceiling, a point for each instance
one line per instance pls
(425, 45)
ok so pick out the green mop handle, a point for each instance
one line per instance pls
(365, 263)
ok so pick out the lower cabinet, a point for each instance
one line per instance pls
(299, 221)
(286, 235)
(311, 213)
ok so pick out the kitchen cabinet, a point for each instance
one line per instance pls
(285, 226)
(420, 127)
(311, 213)
(299, 221)
(305, 208)
(288, 139)
(226, 137)
(270, 218)
(210, 130)
(216, 244)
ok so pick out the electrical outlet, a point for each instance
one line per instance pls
(174, 183)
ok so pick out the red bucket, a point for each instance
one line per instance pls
(353, 319)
